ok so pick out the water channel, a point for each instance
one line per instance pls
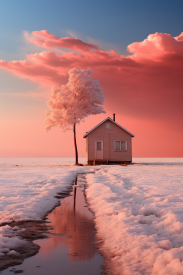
(71, 245)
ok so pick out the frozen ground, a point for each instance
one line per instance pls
(138, 208)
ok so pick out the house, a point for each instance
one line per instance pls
(108, 142)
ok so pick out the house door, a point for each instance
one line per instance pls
(99, 149)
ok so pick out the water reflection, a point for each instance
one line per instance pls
(74, 220)
(70, 248)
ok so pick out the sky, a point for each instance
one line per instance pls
(135, 49)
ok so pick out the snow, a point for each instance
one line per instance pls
(139, 216)
(138, 208)
(7, 244)
(158, 161)
(27, 189)
(13, 252)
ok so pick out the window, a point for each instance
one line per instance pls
(117, 145)
(98, 146)
(108, 125)
(120, 145)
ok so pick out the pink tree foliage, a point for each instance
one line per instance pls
(69, 105)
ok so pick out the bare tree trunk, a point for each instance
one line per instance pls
(75, 145)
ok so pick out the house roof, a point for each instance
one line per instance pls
(108, 118)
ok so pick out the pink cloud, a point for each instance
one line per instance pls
(156, 47)
(49, 41)
(147, 83)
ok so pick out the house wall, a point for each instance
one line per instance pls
(108, 137)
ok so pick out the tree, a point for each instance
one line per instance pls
(80, 97)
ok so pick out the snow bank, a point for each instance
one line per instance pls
(27, 190)
(139, 217)
(27, 193)
(9, 240)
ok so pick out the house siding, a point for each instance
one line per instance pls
(108, 137)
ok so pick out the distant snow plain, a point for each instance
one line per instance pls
(138, 208)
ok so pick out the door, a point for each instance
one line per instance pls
(99, 149)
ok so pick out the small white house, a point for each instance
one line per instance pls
(108, 142)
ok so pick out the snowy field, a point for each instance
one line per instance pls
(139, 216)
(138, 208)
(27, 190)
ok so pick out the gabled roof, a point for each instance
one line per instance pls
(108, 118)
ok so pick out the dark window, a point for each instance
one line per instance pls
(120, 145)
(98, 146)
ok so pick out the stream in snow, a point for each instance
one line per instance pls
(70, 247)
(138, 216)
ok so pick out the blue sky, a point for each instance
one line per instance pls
(118, 22)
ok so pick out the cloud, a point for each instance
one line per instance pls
(157, 46)
(148, 83)
(49, 41)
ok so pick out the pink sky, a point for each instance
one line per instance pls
(144, 89)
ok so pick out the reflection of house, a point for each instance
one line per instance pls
(108, 142)
(75, 227)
